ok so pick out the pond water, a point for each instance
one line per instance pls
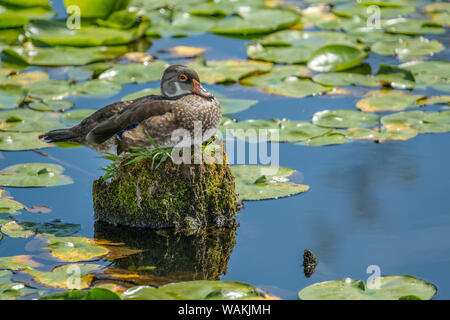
(384, 204)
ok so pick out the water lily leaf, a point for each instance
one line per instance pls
(391, 288)
(16, 15)
(430, 73)
(74, 249)
(362, 9)
(346, 79)
(18, 262)
(39, 209)
(235, 105)
(388, 101)
(5, 277)
(49, 89)
(62, 276)
(395, 77)
(257, 21)
(438, 12)
(180, 24)
(412, 26)
(222, 7)
(51, 105)
(408, 48)
(11, 97)
(20, 79)
(33, 175)
(280, 54)
(135, 72)
(345, 119)
(329, 138)
(97, 8)
(62, 56)
(14, 230)
(91, 294)
(53, 228)
(435, 122)
(56, 33)
(122, 19)
(401, 125)
(17, 141)
(97, 87)
(194, 290)
(178, 52)
(228, 70)
(141, 93)
(265, 182)
(362, 134)
(14, 290)
(8, 205)
(78, 114)
(25, 120)
(336, 58)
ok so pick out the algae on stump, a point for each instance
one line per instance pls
(172, 195)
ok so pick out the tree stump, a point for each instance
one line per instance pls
(173, 195)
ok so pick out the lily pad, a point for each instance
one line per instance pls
(430, 73)
(230, 106)
(257, 21)
(388, 101)
(14, 230)
(194, 290)
(74, 249)
(413, 26)
(78, 114)
(49, 89)
(10, 290)
(20, 79)
(25, 120)
(51, 105)
(346, 79)
(8, 205)
(436, 122)
(90, 294)
(53, 228)
(18, 262)
(135, 72)
(408, 48)
(330, 138)
(386, 10)
(336, 58)
(97, 8)
(17, 141)
(391, 288)
(11, 97)
(33, 175)
(60, 277)
(62, 56)
(265, 182)
(227, 70)
(395, 77)
(345, 119)
(97, 87)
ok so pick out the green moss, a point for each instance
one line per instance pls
(141, 196)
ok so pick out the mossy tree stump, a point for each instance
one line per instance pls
(173, 195)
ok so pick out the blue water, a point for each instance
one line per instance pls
(369, 204)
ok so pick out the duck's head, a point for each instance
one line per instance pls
(179, 80)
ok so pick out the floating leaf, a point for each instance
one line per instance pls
(11, 97)
(265, 182)
(97, 87)
(395, 77)
(24, 120)
(386, 10)
(436, 122)
(257, 21)
(346, 79)
(345, 119)
(78, 114)
(74, 249)
(53, 228)
(20, 79)
(49, 89)
(194, 290)
(14, 230)
(388, 101)
(228, 70)
(362, 134)
(10, 290)
(8, 205)
(91, 294)
(330, 138)
(235, 105)
(33, 175)
(135, 72)
(336, 58)
(430, 73)
(391, 288)
(408, 48)
(182, 52)
(141, 93)
(17, 141)
(64, 276)
(51, 105)
(412, 26)
(62, 56)
(18, 262)
(97, 8)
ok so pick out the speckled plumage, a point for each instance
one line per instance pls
(120, 125)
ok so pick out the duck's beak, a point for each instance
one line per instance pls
(198, 89)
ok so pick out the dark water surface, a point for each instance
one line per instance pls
(369, 204)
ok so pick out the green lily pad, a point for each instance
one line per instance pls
(330, 138)
(221, 7)
(141, 93)
(97, 8)
(391, 288)
(49, 89)
(194, 290)
(435, 122)
(388, 101)
(14, 230)
(362, 134)
(62, 56)
(230, 106)
(51, 105)
(16, 263)
(53, 228)
(362, 9)
(430, 73)
(345, 119)
(135, 72)
(20, 79)
(346, 79)
(228, 70)
(78, 114)
(408, 48)
(18, 141)
(11, 97)
(265, 182)
(56, 33)
(97, 87)
(74, 249)
(8, 205)
(10, 290)
(33, 175)
(395, 77)
(257, 21)
(279, 54)
(401, 125)
(25, 120)
(60, 276)
(90, 294)
(336, 58)
(413, 26)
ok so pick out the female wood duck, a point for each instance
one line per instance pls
(115, 127)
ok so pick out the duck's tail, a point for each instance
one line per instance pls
(59, 135)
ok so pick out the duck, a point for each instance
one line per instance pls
(183, 104)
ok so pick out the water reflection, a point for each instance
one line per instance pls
(164, 256)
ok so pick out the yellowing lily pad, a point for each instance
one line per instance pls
(18, 262)
(8, 205)
(14, 230)
(265, 182)
(33, 175)
(74, 249)
(390, 288)
(388, 101)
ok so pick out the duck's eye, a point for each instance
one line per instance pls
(182, 77)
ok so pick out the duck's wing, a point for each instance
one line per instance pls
(136, 112)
